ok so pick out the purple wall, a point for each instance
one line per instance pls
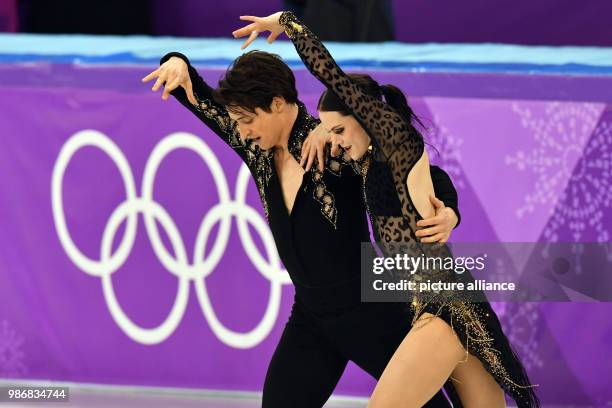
(197, 18)
(547, 22)
(8, 16)
(542, 22)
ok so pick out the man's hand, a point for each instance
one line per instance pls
(439, 227)
(172, 74)
(314, 147)
(258, 25)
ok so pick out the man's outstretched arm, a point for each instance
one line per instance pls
(181, 80)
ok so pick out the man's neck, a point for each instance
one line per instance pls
(282, 148)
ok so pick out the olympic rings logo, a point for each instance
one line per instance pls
(202, 264)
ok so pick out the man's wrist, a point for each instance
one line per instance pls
(453, 215)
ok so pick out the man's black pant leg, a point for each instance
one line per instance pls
(305, 367)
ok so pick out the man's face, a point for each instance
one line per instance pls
(262, 128)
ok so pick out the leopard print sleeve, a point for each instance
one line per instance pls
(393, 139)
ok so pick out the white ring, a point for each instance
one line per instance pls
(202, 264)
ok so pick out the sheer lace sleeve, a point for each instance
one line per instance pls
(392, 137)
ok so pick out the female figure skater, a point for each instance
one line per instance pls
(450, 337)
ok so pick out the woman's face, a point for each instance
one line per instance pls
(347, 132)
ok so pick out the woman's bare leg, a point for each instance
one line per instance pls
(476, 386)
(429, 354)
(420, 366)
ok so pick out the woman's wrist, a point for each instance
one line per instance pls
(285, 17)
(290, 23)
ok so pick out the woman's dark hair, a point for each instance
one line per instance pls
(329, 101)
(253, 80)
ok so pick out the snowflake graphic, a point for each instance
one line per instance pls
(444, 149)
(588, 193)
(11, 356)
(521, 322)
(560, 135)
(578, 211)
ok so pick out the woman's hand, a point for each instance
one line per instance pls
(258, 25)
(439, 227)
(172, 74)
(314, 147)
(336, 150)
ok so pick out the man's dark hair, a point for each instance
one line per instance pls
(253, 80)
